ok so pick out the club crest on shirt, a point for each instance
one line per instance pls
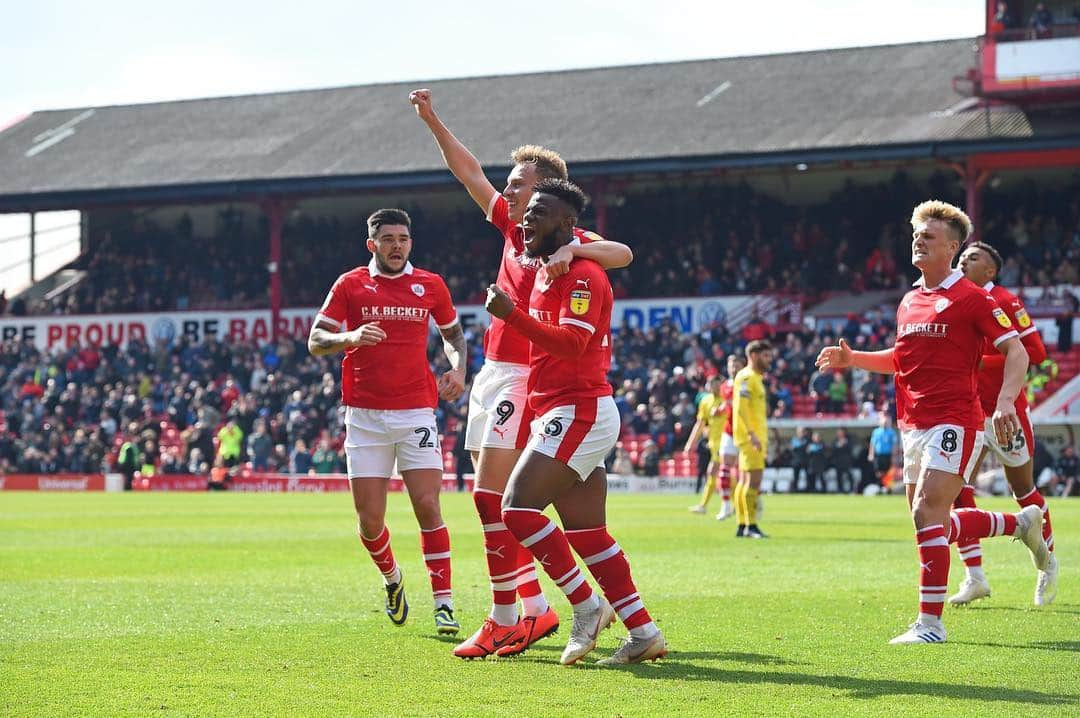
(941, 305)
(418, 289)
(1023, 319)
(579, 301)
(1002, 318)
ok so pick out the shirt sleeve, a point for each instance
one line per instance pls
(581, 301)
(991, 321)
(498, 213)
(335, 308)
(444, 312)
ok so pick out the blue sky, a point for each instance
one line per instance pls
(74, 54)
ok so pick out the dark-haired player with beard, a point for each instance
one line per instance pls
(569, 326)
(379, 316)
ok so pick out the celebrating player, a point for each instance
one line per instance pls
(941, 328)
(378, 315)
(981, 263)
(751, 435)
(496, 430)
(568, 323)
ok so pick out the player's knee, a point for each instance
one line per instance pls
(426, 508)
(369, 523)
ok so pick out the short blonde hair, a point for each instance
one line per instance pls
(951, 215)
(548, 163)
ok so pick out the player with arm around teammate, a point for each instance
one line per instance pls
(568, 323)
(379, 315)
(498, 427)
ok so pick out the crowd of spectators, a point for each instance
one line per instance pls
(1041, 23)
(694, 239)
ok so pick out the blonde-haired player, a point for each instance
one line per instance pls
(751, 435)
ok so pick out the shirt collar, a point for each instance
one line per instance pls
(953, 277)
(988, 286)
(373, 270)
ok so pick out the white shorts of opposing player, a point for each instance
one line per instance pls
(579, 435)
(497, 406)
(946, 447)
(727, 446)
(376, 439)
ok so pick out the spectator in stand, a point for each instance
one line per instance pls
(260, 447)
(648, 463)
(820, 383)
(1041, 22)
(1004, 19)
(325, 459)
(838, 393)
(230, 444)
(128, 461)
(756, 329)
(300, 459)
(172, 462)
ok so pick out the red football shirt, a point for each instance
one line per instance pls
(517, 274)
(580, 299)
(393, 374)
(727, 393)
(940, 336)
(992, 375)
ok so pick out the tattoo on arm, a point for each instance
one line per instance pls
(454, 345)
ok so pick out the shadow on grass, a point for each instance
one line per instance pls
(674, 667)
(1069, 646)
(1059, 608)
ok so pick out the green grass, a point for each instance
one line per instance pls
(219, 604)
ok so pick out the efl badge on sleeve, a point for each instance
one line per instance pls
(1002, 318)
(1023, 319)
(418, 289)
(579, 301)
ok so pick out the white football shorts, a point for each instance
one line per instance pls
(377, 438)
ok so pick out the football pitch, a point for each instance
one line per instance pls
(265, 604)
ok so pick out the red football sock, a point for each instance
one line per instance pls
(934, 569)
(970, 551)
(500, 547)
(1034, 498)
(549, 546)
(973, 524)
(725, 482)
(379, 549)
(608, 565)
(435, 544)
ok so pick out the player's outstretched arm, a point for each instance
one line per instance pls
(465, 167)
(695, 433)
(324, 339)
(451, 385)
(842, 356)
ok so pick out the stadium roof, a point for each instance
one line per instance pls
(889, 102)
